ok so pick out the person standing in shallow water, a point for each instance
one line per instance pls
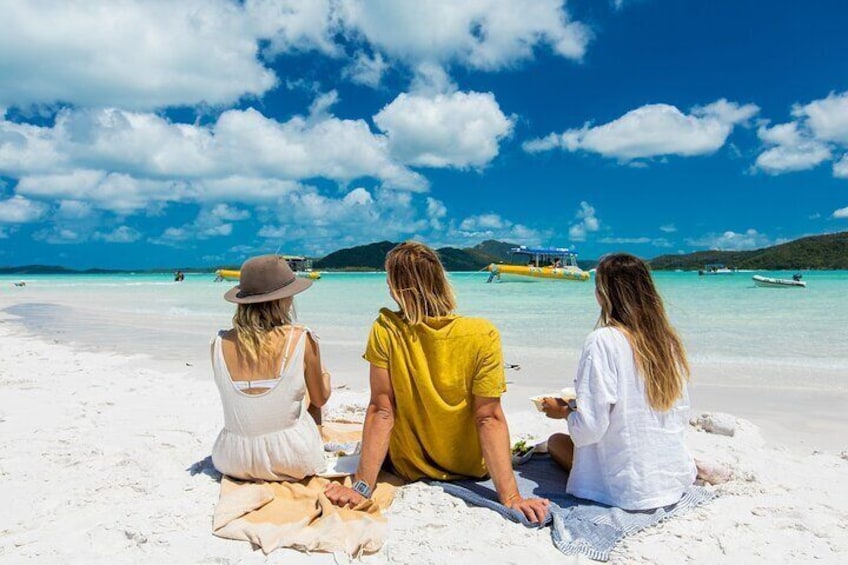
(625, 445)
(269, 372)
(436, 382)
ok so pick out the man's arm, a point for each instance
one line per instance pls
(379, 420)
(494, 442)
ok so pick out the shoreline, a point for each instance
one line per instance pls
(801, 414)
(104, 447)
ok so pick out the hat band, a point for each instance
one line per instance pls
(243, 294)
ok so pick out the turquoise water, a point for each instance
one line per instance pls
(776, 356)
(723, 319)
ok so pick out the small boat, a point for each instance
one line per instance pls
(769, 282)
(302, 267)
(552, 263)
(715, 269)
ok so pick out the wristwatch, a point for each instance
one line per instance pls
(362, 488)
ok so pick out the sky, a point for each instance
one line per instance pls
(146, 133)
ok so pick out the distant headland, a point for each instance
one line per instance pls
(822, 252)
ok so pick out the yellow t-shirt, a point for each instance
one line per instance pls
(436, 368)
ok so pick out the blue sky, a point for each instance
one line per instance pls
(199, 133)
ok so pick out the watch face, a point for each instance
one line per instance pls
(362, 488)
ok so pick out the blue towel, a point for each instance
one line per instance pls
(577, 525)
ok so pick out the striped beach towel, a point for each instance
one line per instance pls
(578, 526)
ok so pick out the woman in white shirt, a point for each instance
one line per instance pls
(625, 445)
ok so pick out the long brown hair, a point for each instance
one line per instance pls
(630, 301)
(254, 324)
(418, 282)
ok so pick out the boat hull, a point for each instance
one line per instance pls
(768, 282)
(519, 272)
(235, 275)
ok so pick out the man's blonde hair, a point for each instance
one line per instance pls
(418, 282)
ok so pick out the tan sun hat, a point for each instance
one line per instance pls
(266, 278)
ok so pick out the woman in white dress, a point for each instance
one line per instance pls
(270, 377)
(625, 445)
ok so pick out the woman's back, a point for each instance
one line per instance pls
(268, 434)
(637, 460)
(436, 367)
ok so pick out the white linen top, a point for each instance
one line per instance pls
(268, 436)
(626, 454)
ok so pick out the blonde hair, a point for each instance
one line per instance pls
(418, 282)
(630, 301)
(254, 324)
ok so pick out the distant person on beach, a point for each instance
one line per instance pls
(268, 371)
(436, 382)
(625, 446)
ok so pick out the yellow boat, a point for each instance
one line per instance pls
(234, 275)
(302, 267)
(553, 263)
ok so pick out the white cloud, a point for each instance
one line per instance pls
(655, 241)
(73, 210)
(789, 149)
(436, 212)
(842, 213)
(123, 161)
(636, 240)
(367, 70)
(20, 210)
(732, 241)
(481, 34)
(133, 54)
(294, 25)
(818, 133)
(827, 118)
(654, 130)
(122, 234)
(473, 229)
(58, 235)
(462, 129)
(586, 222)
(668, 228)
(840, 168)
(326, 223)
(215, 221)
(116, 192)
(230, 213)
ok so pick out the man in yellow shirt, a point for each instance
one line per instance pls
(436, 381)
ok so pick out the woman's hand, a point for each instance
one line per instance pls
(555, 408)
(341, 495)
(534, 509)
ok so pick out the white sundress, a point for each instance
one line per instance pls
(268, 436)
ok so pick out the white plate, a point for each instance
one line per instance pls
(339, 466)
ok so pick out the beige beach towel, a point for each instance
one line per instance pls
(298, 515)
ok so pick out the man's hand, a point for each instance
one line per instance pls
(555, 408)
(341, 495)
(534, 509)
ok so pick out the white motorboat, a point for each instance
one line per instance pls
(768, 282)
(715, 269)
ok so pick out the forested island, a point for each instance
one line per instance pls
(825, 252)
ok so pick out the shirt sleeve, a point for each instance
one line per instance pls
(596, 395)
(490, 381)
(377, 348)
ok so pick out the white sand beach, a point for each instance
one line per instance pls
(101, 459)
